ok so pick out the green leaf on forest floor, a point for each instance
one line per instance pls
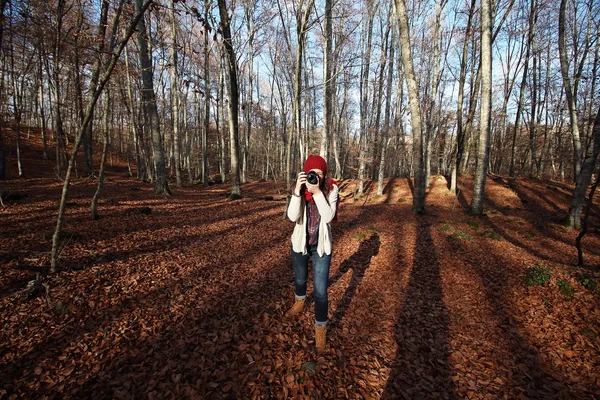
(460, 235)
(61, 309)
(358, 236)
(309, 366)
(565, 288)
(529, 234)
(537, 276)
(473, 224)
(587, 281)
(546, 302)
(492, 235)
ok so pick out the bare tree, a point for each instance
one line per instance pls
(364, 94)
(584, 178)
(570, 93)
(386, 119)
(302, 18)
(233, 97)
(327, 77)
(175, 102)
(460, 135)
(415, 111)
(483, 150)
(516, 127)
(148, 96)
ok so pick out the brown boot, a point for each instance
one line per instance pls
(320, 334)
(296, 309)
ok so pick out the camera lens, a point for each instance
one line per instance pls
(312, 177)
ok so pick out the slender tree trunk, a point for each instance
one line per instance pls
(105, 128)
(483, 151)
(220, 115)
(569, 92)
(175, 98)
(532, 123)
(296, 132)
(386, 118)
(460, 135)
(233, 104)
(378, 102)
(433, 115)
(151, 111)
(141, 171)
(3, 4)
(205, 174)
(584, 228)
(364, 97)
(584, 178)
(413, 96)
(511, 170)
(42, 109)
(327, 87)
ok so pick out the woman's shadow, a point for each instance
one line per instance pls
(358, 263)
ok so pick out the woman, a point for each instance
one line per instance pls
(313, 207)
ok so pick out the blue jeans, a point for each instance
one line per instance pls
(321, 278)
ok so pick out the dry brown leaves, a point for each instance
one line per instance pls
(188, 302)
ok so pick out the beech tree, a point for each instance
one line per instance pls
(233, 97)
(148, 98)
(483, 151)
(415, 111)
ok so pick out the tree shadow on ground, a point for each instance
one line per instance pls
(529, 373)
(420, 368)
(210, 336)
(358, 263)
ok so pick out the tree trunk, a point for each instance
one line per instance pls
(233, 104)
(511, 170)
(205, 174)
(175, 106)
(483, 151)
(386, 118)
(460, 135)
(584, 178)
(584, 228)
(219, 120)
(415, 111)
(296, 132)
(151, 112)
(364, 97)
(105, 128)
(569, 93)
(327, 87)
(141, 171)
(42, 109)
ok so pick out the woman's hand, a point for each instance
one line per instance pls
(299, 182)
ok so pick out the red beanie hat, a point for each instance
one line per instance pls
(315, 162)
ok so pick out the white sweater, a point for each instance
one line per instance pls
(297, 213)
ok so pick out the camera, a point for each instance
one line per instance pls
(312, 177)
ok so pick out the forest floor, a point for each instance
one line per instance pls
(188, 300)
